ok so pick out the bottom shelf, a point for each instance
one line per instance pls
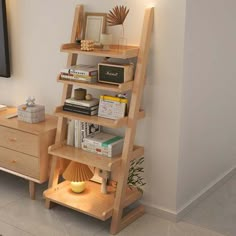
(91, 202)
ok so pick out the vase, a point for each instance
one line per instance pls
(122, 40)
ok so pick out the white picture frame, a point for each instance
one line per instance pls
(94, 26)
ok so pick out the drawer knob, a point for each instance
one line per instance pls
(13, 161)
(12, 139)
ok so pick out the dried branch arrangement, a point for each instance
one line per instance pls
(117, 15)
(135, 178)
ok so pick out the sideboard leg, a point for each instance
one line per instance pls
(32, 189)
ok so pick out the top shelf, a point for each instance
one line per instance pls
(122, 52)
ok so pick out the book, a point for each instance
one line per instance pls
(77, 133)
(102, 139)
(81, 107)
(84, 103)
(80, 111)
(88, 79)
(80, 69)
(103, 144)
(85, 109)
(82, 130)
(70, 133)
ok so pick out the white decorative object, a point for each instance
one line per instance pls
(88, 97)
(87, 45)
(30, 101)
(106, 41)
(31, 114)
(94, 25)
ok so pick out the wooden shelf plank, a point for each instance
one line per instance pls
(92, 119)
(91, 202)
(96, 119)
(101, 86)
(114, 52)
(89, 158)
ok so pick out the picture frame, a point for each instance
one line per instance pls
(94, 26)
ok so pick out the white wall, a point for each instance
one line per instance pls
(38, 28)
(208, 133)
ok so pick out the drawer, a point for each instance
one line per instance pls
(19, 141)
(19, 162)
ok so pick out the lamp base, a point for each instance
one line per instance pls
(77, 187)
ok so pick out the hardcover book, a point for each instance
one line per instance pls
(84, 103)
(88, 79)
(81, 70)
(80, 111)
(103, 144)
(81, 107)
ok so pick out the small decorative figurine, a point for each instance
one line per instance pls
(30, 101)
(88, 97)
(87, 45)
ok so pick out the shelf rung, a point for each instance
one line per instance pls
(84, 157)
(114, 52)
(96, 119)
(91, 202)
(89, 158)
(92, 119)
(102, 86)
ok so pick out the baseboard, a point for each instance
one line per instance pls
(177, 216)
(205, 193)
(160, 212)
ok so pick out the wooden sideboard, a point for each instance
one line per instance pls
(24, 148)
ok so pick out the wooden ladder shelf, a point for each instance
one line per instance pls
(92, 202)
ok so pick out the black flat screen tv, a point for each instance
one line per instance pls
(4, 49)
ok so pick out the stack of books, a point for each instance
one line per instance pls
(78, 130)
(104, 144)
(84, 73)
(82, 106)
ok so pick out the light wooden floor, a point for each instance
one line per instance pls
(20, 216)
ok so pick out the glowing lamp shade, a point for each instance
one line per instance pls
(77, 173)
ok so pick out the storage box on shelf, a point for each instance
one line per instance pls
(31, 114)
(92, 202)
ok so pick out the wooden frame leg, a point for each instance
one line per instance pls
(54, 177)
(32, 189)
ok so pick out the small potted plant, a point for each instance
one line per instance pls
(135, 178)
